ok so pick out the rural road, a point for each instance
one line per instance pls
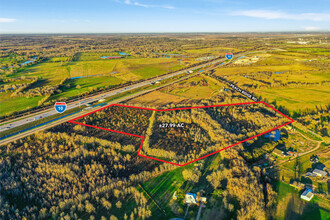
(300, 154)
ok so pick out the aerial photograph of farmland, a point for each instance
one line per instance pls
(174, 110)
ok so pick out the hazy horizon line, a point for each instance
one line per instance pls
(168, 32)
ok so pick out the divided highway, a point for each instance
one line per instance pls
(71, 105)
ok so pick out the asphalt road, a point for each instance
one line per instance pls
(70, 117)
(46, 113)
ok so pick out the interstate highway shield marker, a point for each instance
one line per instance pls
(229, 56)
(60, 107)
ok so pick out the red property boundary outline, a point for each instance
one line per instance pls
(174, 109)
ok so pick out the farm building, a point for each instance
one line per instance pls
(307, 195)
(319, 172)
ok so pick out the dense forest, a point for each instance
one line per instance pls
(68, 175)
(206, 130)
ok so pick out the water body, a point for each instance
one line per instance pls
(77, 77)
(276, 136)
(123, 53)
(280, 72)
(24, 63)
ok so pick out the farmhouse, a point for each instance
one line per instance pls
(307, 195)
(319, 172)
(191, 198)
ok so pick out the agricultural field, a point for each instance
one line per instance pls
(192, 91)
(71, 78)
(199, 87)
(295, 79)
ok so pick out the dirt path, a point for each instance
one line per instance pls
(301, 154)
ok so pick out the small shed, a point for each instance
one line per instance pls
(307, 195)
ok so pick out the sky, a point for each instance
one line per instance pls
(133, 16)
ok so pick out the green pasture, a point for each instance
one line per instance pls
(312, 50)
(96, 56)
(11, 104)
(58, 59)
(96, 74)
(295, 99)
(71, 87)
(290, 206)
(210, 50)
(161, 188)
(185, 89)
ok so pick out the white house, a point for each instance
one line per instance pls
(191, 198)
(307, 195)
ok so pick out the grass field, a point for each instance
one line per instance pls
(195, 88)
(95, 56)
(156, 98)
(199, 87)
(290, 206)
(52, 73)
(210, 50)
(298, 98)
(293, 66)
(95, 73)
(10, 104)
(161, 188)
(87, 83)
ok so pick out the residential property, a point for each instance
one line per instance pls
(307, 195)
(320, 172)
(191, 198)
(291, 153)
